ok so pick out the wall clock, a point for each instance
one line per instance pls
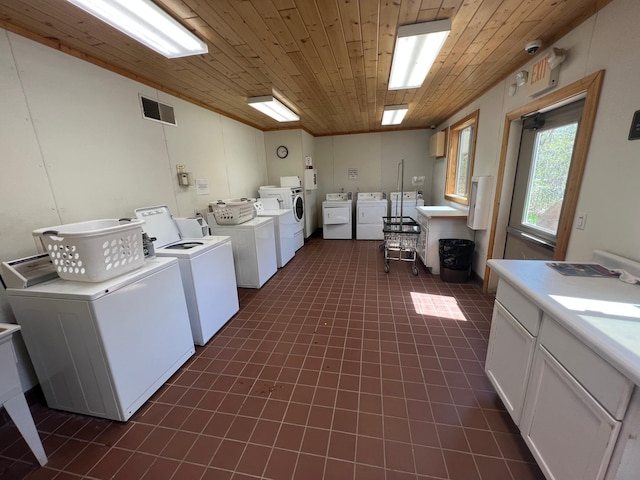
(282, 151)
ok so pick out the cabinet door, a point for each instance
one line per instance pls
(509, 359)
(569, 433)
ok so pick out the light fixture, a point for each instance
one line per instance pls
(556, 57)
(145, 22)
(394, 114)
(521, 78)
(417, 47)
(269, 105)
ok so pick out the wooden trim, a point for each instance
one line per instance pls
(452, 160)
(591, 86)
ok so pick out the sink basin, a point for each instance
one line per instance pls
(7, 329)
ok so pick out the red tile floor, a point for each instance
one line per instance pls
(332, 370)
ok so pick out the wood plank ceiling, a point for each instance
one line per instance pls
(328, 59)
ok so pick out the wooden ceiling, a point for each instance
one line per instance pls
(327, 59)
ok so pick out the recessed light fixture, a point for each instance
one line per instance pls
(394, 114)
(145, 22)
(269, 105)
(417, 47)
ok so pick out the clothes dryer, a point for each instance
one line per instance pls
(102, 349)
(206, 265)
(285, 227)
(254, 249)
(289, 197)
(406, 207)
(336, 216)
(371, 207)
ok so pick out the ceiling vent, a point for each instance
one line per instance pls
(159, 112)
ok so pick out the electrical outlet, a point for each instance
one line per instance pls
(581, 220)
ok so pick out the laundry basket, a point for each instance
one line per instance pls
(93, 251)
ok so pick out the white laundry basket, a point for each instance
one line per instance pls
(93, 251)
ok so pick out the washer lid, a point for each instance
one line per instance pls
(159, 224)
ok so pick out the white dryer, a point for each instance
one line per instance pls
(288, 197)
(410, 200)
(371, 207)
(285, 227)
(104, 348)
(337, 212)
(206, 266)
(254, 249)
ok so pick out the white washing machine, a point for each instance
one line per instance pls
(254, 249)
(337, 212)
(410, 200)
(371, 207)
(289, 197)
(285, 227)
(206, 265)
(104, 348)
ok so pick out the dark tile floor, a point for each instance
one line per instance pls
(332, 370)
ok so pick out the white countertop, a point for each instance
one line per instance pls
(441, 211)
(602, 312)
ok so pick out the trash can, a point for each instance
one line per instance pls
(455, 259)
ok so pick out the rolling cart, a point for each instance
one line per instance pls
(400, 233)
(400, 241)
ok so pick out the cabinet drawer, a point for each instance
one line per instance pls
(608, 386)
(525, 311)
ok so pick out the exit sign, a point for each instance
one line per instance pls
(541, 77)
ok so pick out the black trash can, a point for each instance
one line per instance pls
(456, 255)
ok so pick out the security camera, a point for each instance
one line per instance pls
(433, 127)
(533, 46)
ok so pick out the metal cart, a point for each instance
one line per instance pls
(400, 241)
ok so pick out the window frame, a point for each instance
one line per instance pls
(453, 161)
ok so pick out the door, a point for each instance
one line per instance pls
(336, 215)
(546, 152)
(371, 214)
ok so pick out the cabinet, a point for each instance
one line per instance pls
(438, 222)
(437, 144)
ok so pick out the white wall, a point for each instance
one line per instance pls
(75, 147)
(610, 182)
(376, 157)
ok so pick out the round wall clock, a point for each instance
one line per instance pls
(282, 151)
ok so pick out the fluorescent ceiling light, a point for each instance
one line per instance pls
(145, 22)
(394, 114)
(417, 47)
(271, 106)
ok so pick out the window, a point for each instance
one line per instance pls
(546, 152)
(462, 141)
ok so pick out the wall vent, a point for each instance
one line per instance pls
(159, 112)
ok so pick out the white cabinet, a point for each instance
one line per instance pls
(569, 433)
(436, 223)
(509, 358)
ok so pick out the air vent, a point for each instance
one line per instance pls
(154, 110)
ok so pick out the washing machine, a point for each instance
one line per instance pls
(254, 249)
(337, 212)
(102, 348)
(206, 265)
(285, 227)
(292, 198)
(410, 200)
(371, 207)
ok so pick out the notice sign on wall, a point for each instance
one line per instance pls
(352, 174)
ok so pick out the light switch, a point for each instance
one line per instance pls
(581, 220)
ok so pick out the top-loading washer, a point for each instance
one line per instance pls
(288, 197)
(254, 249)
(337, 212)
(103, 348)
(371, 207)
(406, 207)
(285, 227)
(206, 266)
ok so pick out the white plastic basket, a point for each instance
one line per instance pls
(93, 251)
